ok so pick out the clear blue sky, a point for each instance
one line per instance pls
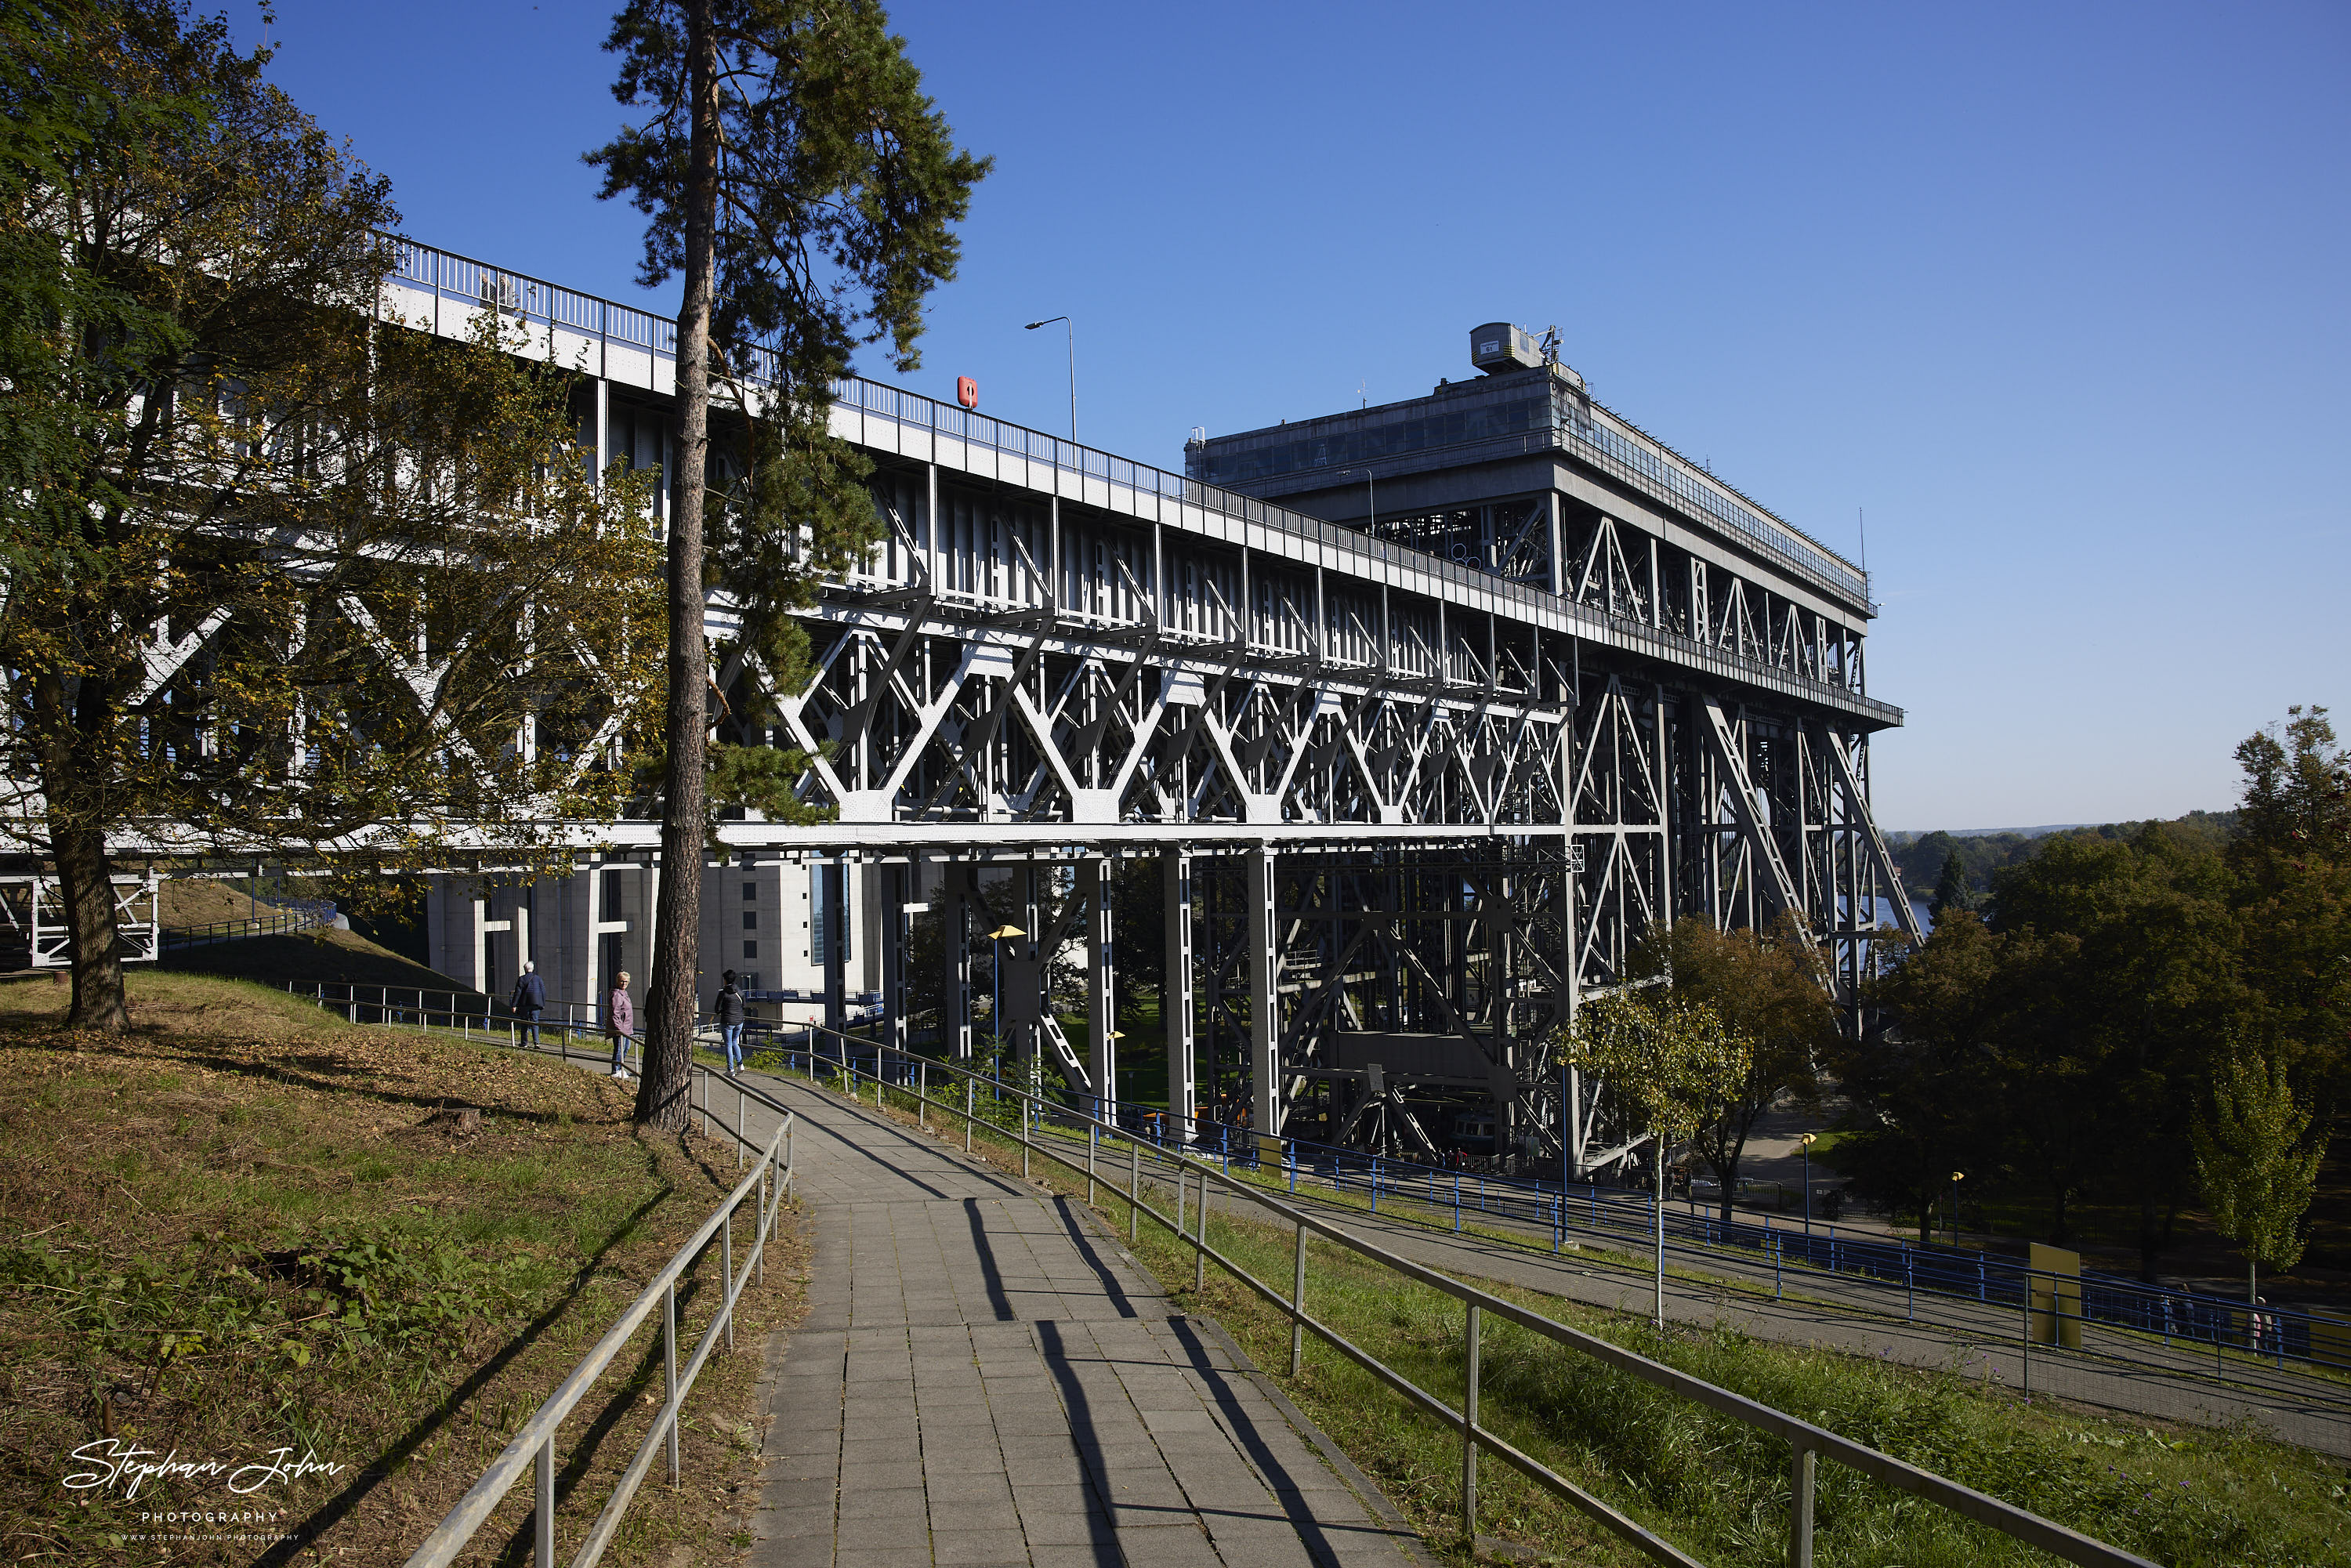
(2057, 293)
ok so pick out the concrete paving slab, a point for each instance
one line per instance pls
(987, 1380)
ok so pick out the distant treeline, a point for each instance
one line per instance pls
(2093, 1003)
(1923, 858)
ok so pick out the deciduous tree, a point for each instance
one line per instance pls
(282, 577)
(1671, 1061)
(1767, 986)
(1920, 1082)
(2257, 1163)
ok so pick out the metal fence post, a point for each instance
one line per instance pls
(1469, 1434)
(1134, 1192)
(1092, 1138)
(966, 1114)
(739, 1101)
(1297, 1304)
(546, 1510)
(923, 1094)
(1800, 1469)
(1179, 1200)
(727, 1277)
(1200, 1241)
(669, 1368)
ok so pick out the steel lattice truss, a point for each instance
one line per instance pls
(1413, 788)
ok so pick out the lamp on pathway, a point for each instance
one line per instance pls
(1807, 1142)
(996, 1007)
(1103, 1106)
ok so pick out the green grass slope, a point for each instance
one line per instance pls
(247, 1226)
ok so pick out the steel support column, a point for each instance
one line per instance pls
(1264, 962)
(1175, 997)
(1102, 981)
(958, 892)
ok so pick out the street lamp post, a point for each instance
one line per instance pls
(996, 1009)
(1807, 1141)
(1371, 499)
(1957, 1177)
(1105, 1108)
(1070, 335)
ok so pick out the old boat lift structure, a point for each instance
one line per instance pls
(1417, 757)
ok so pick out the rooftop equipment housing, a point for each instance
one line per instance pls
(1499, 346)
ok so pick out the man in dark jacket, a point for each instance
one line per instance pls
(727, 1006)
(530, 999)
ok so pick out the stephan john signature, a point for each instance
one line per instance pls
(115, 1461)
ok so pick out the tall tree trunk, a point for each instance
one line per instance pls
(85, 878)
(662, 1096)
(78, 847)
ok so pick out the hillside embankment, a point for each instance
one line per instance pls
(250, 1234)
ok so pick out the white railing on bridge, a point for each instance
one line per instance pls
(464, 280)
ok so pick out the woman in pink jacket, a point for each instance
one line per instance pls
(620, 1022)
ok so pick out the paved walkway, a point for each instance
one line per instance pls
(984, 1379)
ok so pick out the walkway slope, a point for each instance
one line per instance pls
(984, 1381)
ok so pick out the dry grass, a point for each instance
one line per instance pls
(242, 1228)
(307, 958)
(206, 901)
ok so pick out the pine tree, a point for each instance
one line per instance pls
(798, 179)
(1951, 889)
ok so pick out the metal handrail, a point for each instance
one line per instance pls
(1898, 1266)
(1806, 1442)
(771, 1178)
(204, 936)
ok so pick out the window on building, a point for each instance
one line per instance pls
(751, 949)
(750, 920)
(750, 892)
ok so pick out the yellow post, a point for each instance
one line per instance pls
(2056, 1287)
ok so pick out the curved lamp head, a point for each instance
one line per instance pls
(1003, 933)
